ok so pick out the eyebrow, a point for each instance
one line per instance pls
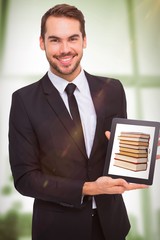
(52, 36)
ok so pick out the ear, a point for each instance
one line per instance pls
(84, 42)
(41, 43)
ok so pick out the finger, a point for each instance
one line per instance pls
(158, 157)
(117, 190)
(108, 134)
(119, 182)
(133, 186)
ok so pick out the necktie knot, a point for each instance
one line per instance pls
(70, 89)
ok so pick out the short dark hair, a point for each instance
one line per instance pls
(63, 10)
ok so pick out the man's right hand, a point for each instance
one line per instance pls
(108, 185)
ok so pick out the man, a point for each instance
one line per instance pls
(52, 160)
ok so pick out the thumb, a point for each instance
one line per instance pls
(108, 134)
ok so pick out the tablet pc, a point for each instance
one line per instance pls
(132, 150)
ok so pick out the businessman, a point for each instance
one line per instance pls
(57, 140)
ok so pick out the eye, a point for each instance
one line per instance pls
(54, 40)
(74, 39)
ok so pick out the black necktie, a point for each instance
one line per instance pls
(75, 113)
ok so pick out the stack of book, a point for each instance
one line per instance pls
(133, 151)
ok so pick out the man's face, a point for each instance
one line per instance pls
(63, 44)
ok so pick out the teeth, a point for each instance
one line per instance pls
(66, 59)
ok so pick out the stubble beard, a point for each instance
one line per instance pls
(57, 70)
(63, 72)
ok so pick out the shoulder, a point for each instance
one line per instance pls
(30, 89)
(104, 81)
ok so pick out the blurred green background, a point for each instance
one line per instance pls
(123, 42)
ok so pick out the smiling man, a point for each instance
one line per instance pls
(57, 140)
(63, 43)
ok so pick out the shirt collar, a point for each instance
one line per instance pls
(60, 84)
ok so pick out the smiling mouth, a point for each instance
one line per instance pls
(65, 60)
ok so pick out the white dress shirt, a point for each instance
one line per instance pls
(84, 101)
(85, 105)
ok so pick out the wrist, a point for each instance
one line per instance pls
(89, 188)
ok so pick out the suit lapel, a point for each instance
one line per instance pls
(58, 106)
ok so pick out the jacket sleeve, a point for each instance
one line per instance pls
(24, 154)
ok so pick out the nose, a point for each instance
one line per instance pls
(64, 47)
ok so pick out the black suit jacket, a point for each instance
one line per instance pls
(48, 164)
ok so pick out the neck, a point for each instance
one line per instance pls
(67, 77)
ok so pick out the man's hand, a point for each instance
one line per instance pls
(108, 134)
(114, 186)
(108, 185)
(158, 156)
